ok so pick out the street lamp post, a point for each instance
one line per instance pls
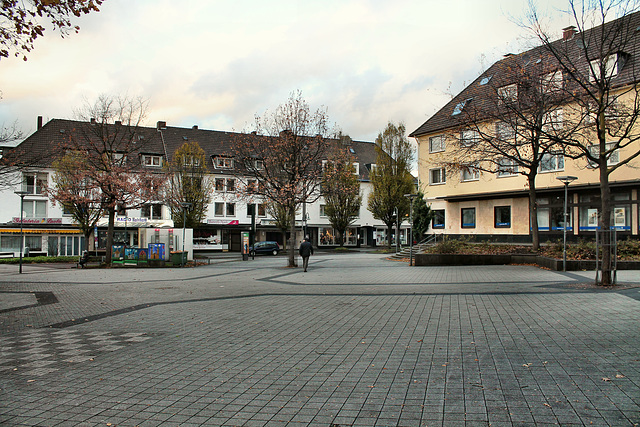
(566, 180)
(411, 197)
(185, 206)
(21, 193)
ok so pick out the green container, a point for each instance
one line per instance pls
(179, 258)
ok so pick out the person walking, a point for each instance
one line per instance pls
(305, 251)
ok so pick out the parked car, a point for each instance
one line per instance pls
(264, 248)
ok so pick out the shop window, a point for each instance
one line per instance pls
(551, 214)
(468, 216)
(438, 218)
(502, 216)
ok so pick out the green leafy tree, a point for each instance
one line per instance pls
(391, 178)
(188, 183)
(341, 190)
(422, 217)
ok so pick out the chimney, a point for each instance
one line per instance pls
(118, 123)
(161, 125)
(93, 120)
(39, 122)
(194, 127)
(568, 33)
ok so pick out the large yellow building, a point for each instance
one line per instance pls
(490, 200)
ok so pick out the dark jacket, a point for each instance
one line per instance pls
(306, 249)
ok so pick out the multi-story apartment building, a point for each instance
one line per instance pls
(48, 229)
(485, 199)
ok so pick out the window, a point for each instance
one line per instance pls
(223, 163)
(119, 157)
(508, 94)
(322, 212)
(552, 120)
(507, 167)
(502, 216)
(219, 209)
(609, 65)
(153, 211)
(231, 209)
(470, 173)
(259, 209)
(552, 82)
(191, 161)
(552, 162)
(469, 138)
(252, 186)
(468, 216)
(34, 183)
(225, 185)
(436, 144)
(35, 208)
(505, 131)
(356, 168)
(436, 176)
(152, 161)
(460, 106)
(438, 218)
(614, 156)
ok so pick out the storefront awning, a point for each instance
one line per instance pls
(40, 231)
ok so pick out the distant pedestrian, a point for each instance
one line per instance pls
(306, 250)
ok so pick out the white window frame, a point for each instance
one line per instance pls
(504, 131)
(151, 161)
(442, 176)
(323, 214)
(507, 94)
(553, 120)
(356, 168)
(220, 162)
(469, 173)
(31, 208)
(507, 167)
(469, 137)
(552, 82)
(39, 183)
(610, 68)
(553, 160)
(614, 157)
(437, 144)
(155, 211)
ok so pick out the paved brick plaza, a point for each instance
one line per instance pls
(356, 341)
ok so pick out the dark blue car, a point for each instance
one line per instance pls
(264, 248)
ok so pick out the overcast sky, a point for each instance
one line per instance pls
(219, 63)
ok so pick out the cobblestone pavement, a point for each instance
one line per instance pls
(356, 341)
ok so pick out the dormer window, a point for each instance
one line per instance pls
(508, 94)
(152, 161)
(552, 82)
(223, 162)
(611, 65)
(356, 168)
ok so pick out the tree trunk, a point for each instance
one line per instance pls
(605, 225)
(533, 213)
(292, 237)
(110, 227)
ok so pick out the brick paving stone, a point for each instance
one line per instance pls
(358, 341)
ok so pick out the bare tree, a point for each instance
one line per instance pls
(284, 154)
(596, 56)
(511, 123)
(110, 138)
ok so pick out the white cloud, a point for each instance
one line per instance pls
(219, 63)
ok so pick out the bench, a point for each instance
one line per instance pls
(97, 260)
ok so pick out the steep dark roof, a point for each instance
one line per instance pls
(47, 144)
(502, 72)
